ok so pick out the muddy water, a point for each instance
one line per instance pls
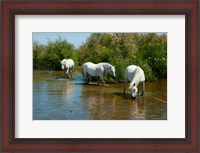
(56, 98)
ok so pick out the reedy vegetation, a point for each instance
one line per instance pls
(147, 50)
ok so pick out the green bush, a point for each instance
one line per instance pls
(149, 51)
(48, 57)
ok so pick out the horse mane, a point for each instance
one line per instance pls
(135, 78)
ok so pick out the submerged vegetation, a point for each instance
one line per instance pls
(147, 50)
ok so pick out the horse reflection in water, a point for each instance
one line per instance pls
(139, 107)
(103, 104)
(97, 104)
(68, 90)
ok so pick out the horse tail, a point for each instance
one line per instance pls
(84, 73)
(72, 68)
(73, 65)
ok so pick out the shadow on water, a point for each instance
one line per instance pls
(79, 83)
(91, 84)
(63, 78)
(71, 99)
(76, 78)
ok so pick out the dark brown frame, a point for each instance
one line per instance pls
(189, 8)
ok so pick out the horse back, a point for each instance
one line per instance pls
(90, 68)
(70, 63)
(133, 71)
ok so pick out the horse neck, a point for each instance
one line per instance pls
(106, 66)
(135, 80)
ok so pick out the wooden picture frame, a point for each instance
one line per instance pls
(46, 7)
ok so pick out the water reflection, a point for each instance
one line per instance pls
(140, 108)
(68, 89)
(56, 98)
(104, 103)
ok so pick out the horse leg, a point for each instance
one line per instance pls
(139, 90)
(70, 72)
(102, 80)
(67, 72)
(124, 86)
(88, 78)
(85, 78)
(64, 73)
(72, 68)
(143, 88)
(99, 81)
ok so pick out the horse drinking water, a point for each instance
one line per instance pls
(97, 70)
(67, 66)
(135, 75)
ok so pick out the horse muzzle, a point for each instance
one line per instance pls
(133, 97)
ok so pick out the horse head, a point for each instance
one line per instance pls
(63, 64)
(112, 70)
(133, 85)
(133, 90)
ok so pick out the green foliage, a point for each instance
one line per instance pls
(153, 50)
(49, 56)
(149, 51)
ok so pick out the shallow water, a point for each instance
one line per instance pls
(57, 98)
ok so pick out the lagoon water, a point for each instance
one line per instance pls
(57, 98)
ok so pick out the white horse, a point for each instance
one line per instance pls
(97, 70)
(135, 75)
(67, 66)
